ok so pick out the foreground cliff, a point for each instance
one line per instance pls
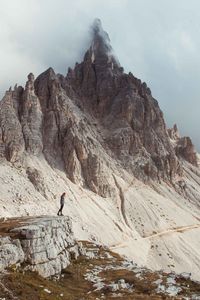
(98, 134)
(45, 245)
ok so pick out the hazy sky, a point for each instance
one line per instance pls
(157, 40)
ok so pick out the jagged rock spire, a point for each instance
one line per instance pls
(100, 39)
(101, 50)
(95, 79)
(30, 82)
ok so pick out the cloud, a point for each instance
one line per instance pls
(158, 41)
(187, 42)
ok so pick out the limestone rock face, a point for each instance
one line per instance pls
(45, 245)
(56, 115)
(11, 135)
(31, 118)
(11, 252)
(90, 122)
(20, 122)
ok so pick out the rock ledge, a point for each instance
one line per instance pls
(42, 244)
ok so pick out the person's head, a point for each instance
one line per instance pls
(63, 194)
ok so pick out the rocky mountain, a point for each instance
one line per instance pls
(95, 108)
(99, 134)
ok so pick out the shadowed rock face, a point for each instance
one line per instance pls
(90, 122)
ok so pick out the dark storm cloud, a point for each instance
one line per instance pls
(157, 40)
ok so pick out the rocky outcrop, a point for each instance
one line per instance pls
(89, 122)
(184, 147)
(45, 245)
(173, 133)
(186, 150)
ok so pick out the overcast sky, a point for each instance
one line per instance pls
(157, 40)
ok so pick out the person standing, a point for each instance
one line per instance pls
(62, 202)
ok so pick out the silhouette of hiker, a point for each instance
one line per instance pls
(62, 202)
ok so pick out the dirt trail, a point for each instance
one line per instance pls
(165, 232)
(173, 230)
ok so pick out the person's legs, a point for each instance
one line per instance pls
(61, 208)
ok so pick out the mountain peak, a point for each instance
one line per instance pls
(99, 33)
(97, 25)
(100, 45)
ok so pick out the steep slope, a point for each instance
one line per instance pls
(98, 134)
